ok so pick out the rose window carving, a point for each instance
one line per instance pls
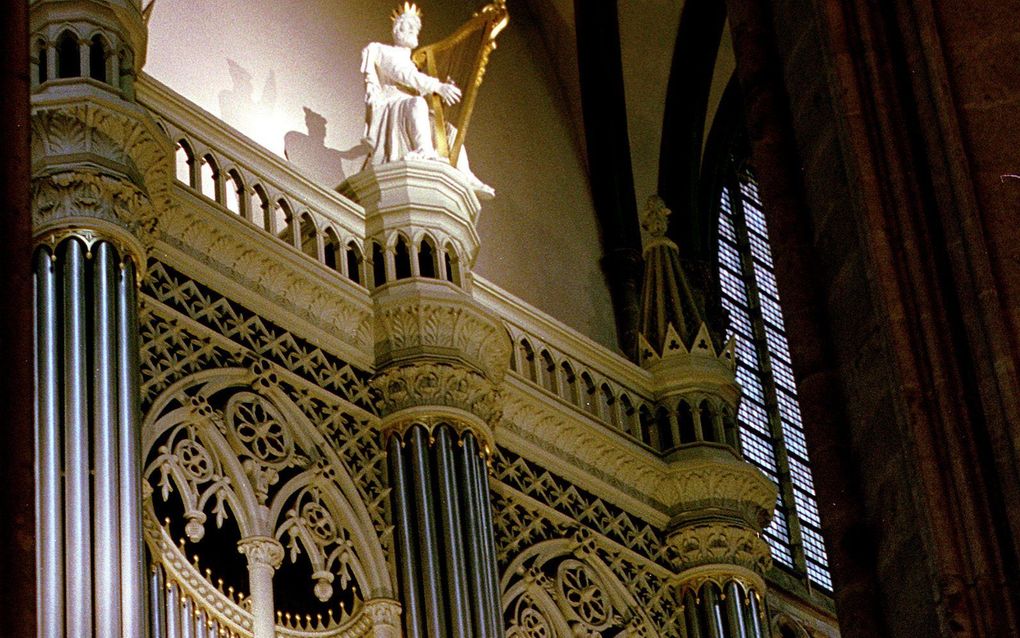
(257, 428)
(194, 460)
(580, 589)
(528, 622)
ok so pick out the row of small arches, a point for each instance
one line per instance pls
(72, 55)
(686, 420)
(398, 258)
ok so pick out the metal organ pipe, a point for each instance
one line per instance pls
(91, 563)
(49, 502)
(490, 542)
(435, 611)
(754, 616)
(456, 584)
(734, 610)
(105, 428)
(710, 601)
(173, 612)
(132, 556)
(487, 558)
(443, 534)
(78, 554)
(472, 526)
(691, 616)
(402, 520)
(157, 602)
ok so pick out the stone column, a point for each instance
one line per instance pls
(265, 554)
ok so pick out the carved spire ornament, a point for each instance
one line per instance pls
(666, 297)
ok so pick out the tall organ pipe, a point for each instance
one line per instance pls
(692, 616)
(49, 503)
(734, 610)
(78, 554)
(472, 527)
(132, 557)
(157, 602)
(402, 521)
(435, 611)
(173, 612)
(490, 541)
(106, 518)
(754, 616)
(456, 583)
(486, 575)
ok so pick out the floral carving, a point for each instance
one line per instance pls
(185, 465)
(720, 543)
(527, 622)
(446, 328)
(131, 142)
(435, 384)
(584, 594)
(262, 550)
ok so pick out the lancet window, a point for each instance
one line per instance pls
(771, 430)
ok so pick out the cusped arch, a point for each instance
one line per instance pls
(602, 603)
(187, 402)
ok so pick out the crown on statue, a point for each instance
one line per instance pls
(406, 9)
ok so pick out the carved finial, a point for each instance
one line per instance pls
(408, 8)
(655, 216)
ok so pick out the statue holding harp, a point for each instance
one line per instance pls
(409, 112)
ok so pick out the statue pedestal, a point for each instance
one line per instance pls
(417, 197)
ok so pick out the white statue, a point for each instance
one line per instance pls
(398, 124)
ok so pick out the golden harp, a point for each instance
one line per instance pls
(461, 58)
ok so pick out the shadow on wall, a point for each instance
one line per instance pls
(238, 106)
(309, 152)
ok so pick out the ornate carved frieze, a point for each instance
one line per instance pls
(241, 331)
(99, 160)
(713, 479)
(268, 274)
(432, 393)
(719, 543)
(424, 318)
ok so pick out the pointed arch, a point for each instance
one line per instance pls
(68, 55)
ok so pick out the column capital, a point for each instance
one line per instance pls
(261, 550)
(100, 166)
(719, 547)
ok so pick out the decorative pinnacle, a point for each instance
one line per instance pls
(655, 216)
(404, 9)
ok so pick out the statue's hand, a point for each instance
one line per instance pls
(449, 93)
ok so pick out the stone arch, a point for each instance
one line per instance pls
(551, 571)
(204, 402)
